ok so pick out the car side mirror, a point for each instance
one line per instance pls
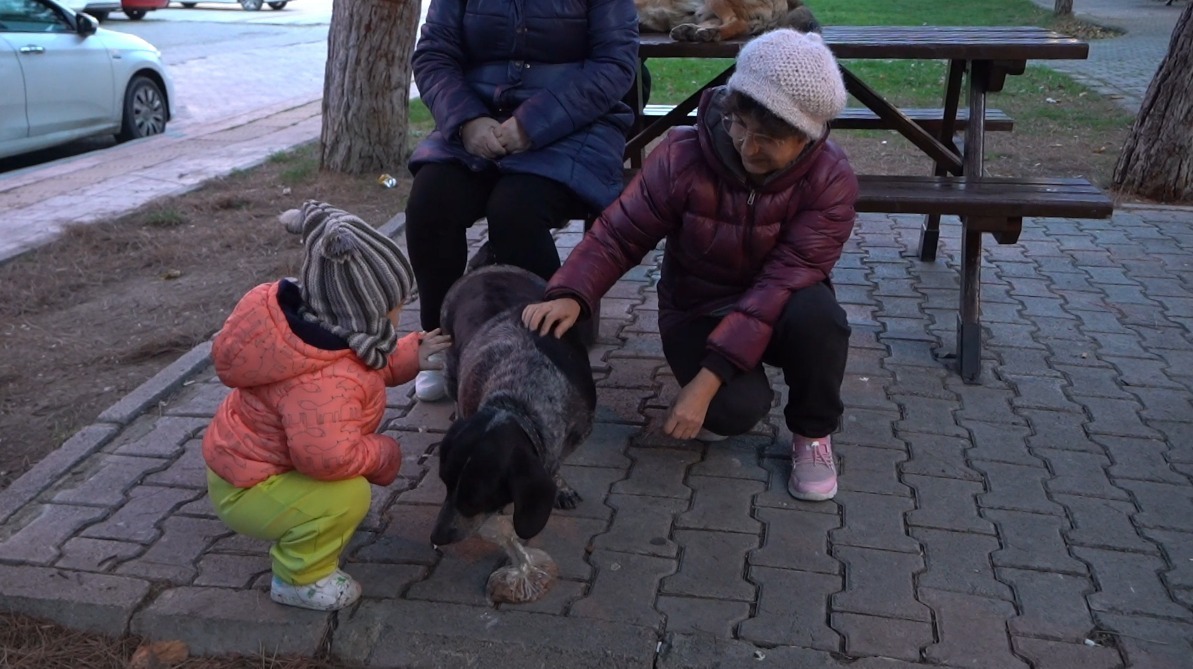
(85, 24)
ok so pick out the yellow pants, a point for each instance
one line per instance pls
(309, 521)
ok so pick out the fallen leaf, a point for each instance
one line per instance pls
(172, 274)
(159, 655)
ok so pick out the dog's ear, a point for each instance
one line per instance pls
(534, 494)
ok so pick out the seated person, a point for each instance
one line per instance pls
(756, 205)
(529, 123)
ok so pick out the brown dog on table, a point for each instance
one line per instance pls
(715, 20)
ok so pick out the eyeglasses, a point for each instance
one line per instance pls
(738, 132)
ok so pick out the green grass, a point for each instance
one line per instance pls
(165, 217)
(929, 12)
(903, 82)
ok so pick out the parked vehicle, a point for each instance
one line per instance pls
(64, 78)
(136, 10)
(250, 5)
(100, 9)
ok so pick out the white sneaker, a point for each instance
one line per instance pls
(330, 593)
(430, 385)
(709, 437)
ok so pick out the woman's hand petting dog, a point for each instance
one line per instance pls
(480, 138)
(552, 317)
(513, 136)
(431, 343)
(691, 405)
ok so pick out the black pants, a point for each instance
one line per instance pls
(447, 199)
(810, 344)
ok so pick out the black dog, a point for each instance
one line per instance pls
(523, 403)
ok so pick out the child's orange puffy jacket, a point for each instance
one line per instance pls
(297, 407)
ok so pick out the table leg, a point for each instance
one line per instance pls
(969, 326)
(930, 228)
(635, 149)
(896, 119)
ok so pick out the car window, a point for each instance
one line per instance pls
(32, 16)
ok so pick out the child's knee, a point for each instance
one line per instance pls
(356, 495)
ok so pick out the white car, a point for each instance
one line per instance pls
(251, 5)
(64, 78)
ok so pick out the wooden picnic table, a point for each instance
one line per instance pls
(982, 57)
(987, 53)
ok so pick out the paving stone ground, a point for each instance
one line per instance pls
(1041, 519)
(1122, 67)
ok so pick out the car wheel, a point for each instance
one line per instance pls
(135, 14)
(277, 5)
(189, 5)
(252, 5)
(144, 110)
(99, 16)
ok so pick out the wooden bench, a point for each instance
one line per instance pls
(860, 118)
(994, 205)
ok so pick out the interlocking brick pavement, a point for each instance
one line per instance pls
(1042, 518)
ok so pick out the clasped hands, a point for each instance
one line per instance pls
(487, 138)
(687, 412)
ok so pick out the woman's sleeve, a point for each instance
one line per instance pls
(645, 212)
(608, 72)
(438, 65)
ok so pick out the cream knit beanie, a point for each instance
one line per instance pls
(795, 76)
(352, 277)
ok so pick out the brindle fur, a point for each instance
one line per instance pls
(523, 402)
(714, 20)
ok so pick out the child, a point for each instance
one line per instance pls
(756, 205)
(292, 449)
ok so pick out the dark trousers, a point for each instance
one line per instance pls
(810, 344)
(446, 199)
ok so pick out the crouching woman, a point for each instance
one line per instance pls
(755, 204)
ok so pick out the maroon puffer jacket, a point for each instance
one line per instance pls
(733, 249)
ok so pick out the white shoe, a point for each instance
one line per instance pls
(709, 437)
(430, 385)
(330, 593)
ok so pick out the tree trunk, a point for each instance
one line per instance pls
(366, 86)
(1063, 8)
(1157, 159)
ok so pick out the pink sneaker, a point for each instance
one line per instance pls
(813, 472)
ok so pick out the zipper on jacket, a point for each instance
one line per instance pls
(747, 239)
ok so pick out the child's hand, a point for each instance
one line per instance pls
(432, 342)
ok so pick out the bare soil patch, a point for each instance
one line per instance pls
(88, 318)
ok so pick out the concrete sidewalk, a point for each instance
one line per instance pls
(38, 202)
(1043, 518)
(1122, 67)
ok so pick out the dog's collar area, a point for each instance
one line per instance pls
(511, 409)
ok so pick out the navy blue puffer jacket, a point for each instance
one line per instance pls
(560, 66)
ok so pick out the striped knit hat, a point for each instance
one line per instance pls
(352, 277)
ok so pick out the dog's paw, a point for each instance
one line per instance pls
(707, 35)
(566, 498)
(685, 32)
